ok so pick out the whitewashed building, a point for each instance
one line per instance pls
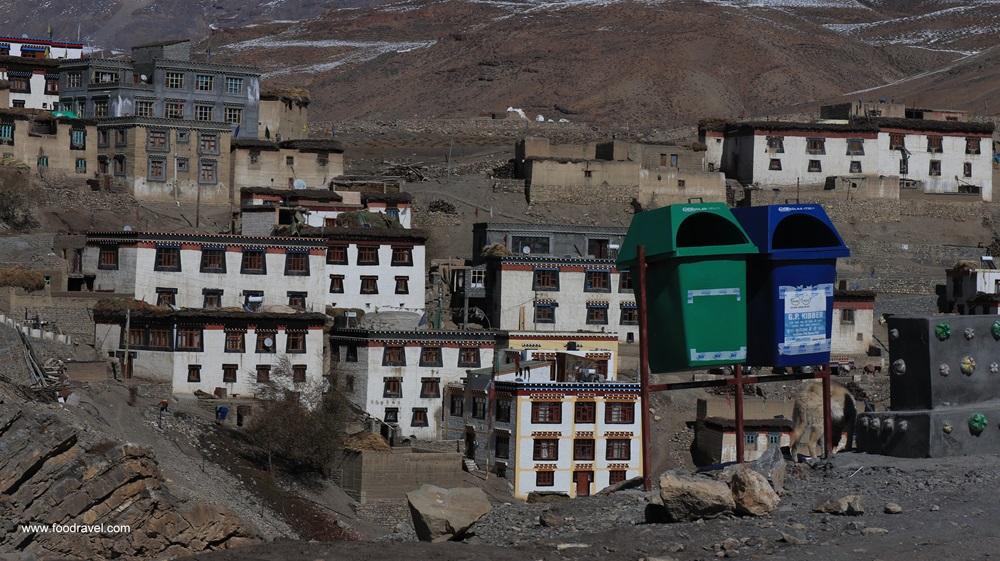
(39, 48)
(264, 208)
(398, 376)
(972, 290)
(209, 270)
(546, 431)
(853, 322)
(215, 350)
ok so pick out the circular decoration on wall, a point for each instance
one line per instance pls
(942, 331)
(977, 423)
(968, 365)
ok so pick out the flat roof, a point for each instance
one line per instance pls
(316, 194)
(131, 236)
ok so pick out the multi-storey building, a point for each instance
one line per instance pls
(545, 430)
(39, 48)
(209, 271)
(48, 144)
(162, 81)
(208, 350)
(288, 164)
(264, 208)
(33, 82)
(398, 376)
(600, 349)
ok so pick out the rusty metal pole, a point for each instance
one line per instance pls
(740, 438)
(827, 414)
(647, 481)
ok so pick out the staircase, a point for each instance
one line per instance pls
(470, 465)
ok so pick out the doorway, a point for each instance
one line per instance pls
(583, 479)
(470, 444)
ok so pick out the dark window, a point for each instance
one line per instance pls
(391, 415)
(583, 449)
(457, 405)
(776, 144)
(855, 147)
(935, 168)
(103, 138)
(402, 256)
(394, 356)
(967, 169)
(774, 164)
(479, 407)
(236, 341)
(336, 255)
(546, 279)
(546, 449)
(599, 249)
(78, 139)
(189, 339)
(295, 341)
(430, 387)
(253, 262)
(815, 166)
(619, 449)
(502, 413)
(419, 417)
(166, 296)
(208, 143)
(392, 387)
(468, 357)
(335, 353)
(616, 476)
(585, 412)
(213, 260)
(121, 137)
(847, 316)
(897, 141)
(934, 143)
(194, 373)
(904, 166)
(159, 337)
(266, 341)
(619, 412)
(545, 313)
(297, 300)
(625, 281)
(431, 356)
(535, 245)
(168, 259)
(229, 373)
(108, 258)
(546, 412)
(263, 373)
(630, 316)
(297, 263)
(597, 315)
(545, 478)
(336, 284)
(855, 166)
(367, 255)
(208, 172)
(501, 445)
(402, 285)
(816, 146)
(157, 140)
(972, 145)
(135, 337)
(352, 353)
(597, 281)
(299, 373)
(369, 285)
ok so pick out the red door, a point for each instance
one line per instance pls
(583, 479)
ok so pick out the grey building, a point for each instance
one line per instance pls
(161, 80)
(548, 240)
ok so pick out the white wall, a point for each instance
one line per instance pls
(852, 338)
(952, 158)
(795, 160)
(386, 299)
(37, 98)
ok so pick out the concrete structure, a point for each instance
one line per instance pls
(545, 430)
(49, 145)
(376, 475)
(211, 349)
(853, 323)
(263, 163)
(209, 271)
(284, 114)
(972, 289)
(262, 208)
(600, 348)
(398, 376)
(162, 81)
(39, 48)
(158, 159)
(33, 82)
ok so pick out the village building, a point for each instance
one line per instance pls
(33, 47)
(162, 81)
(288, 164)
(971, 288)
(284, 114)
(547, 428)
(31, 83)
(49, 145)
(263, 208)
(715, 438)
(398, 376)
(209, 270)
(220, 352)
(601, 349)
(853, 324)
(159, 159)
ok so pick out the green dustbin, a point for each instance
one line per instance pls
(696, 284)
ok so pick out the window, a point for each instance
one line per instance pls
(431, 356)
(349, 383)
(253, 262)
(392, 387)
(369, 285)
(546, 279)
(157, 140)
(173, 110)
(774, 164)
(597, 281)
(263, 373)
(546, 449)
(583, 449)
(159, 337)
(478, 279)
(855, 166)
(972, 145)
(468, 357)
(502, 413)
(479, 407)
(119, 165)
(229, 373)
(78, 139)
(100, 108)
(352, 353)
(904, 166)
(183, 136)
(81, 165)
(815, 166)
(295, 342)
(934, 143)
(935, 168)
(234, 115)
(847, 316)
(619, 413)
(751, 439)
(897, 141)
(102, 164)
(430, 387)
(616, 476)
(394, 356)
(194, 373)
(204, 112)
(599, 248)
(535, 245)
(74, 79)
(297, 263)
(167, 259)
(545, 478)
(336, 284)
(546, 412)
(43, 161)
(135, 337)
(501, 445)
(175, 80)
(298, 373)
(629, 316)
(213, 298)
(402, 256)
(855, 147)
(121, 137)
(391, 415)
(297, 300)
(143, 108)
(402, 285)
(289, 161)
(619, 449)
(585, 412)
(234, 86)
(588, 173)
(20, 84)
(367, 255)
(545, 313)
(7, 133)
(208, 143)
(204, 83)
(166, 296)
(336, 255)
(213, 260)
(816, 146)
(419, 417)
(107, 257)
(597, 314)
(189, 339)
(103, 137)
(967, 169)
(254, 157)
(456, 405)
(323, 159)
(156, 169)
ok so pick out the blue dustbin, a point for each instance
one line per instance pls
(790, 283)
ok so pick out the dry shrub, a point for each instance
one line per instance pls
(21, 277)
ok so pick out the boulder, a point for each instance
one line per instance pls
(771, 465)
(445, 514)
(685, 498)
(849, 505)
(752, 493)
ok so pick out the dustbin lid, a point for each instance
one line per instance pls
(792, 231)
(684, 230)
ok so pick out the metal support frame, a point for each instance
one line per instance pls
(738, 380)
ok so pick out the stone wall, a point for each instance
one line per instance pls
(67, 312)
(371, 475)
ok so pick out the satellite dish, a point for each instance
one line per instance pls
(299, 184)
(268, 342)
(127, 228)
(143, 77)
(526, 250)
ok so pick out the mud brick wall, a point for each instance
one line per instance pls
(377, 475)
(68, 312)
(582, 194)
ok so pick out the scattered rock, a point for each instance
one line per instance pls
(792, 538)
(685, 498)
(546, 497)
(730, 543)
(893, 508)
(873, 531)
(550, 519)
(563, 546)
(772, 465)
(632, 483)
(935, 508)
(752, 493)
(445, 514)
(661, 558)
(849, 505)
